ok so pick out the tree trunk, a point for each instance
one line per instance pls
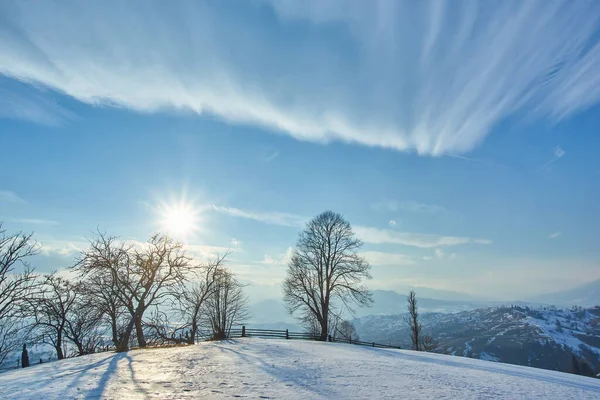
(193, 332)
(324, 329)
(123, 344)
(139, 331)
(59, 351)
(113, 325)
(80, 349)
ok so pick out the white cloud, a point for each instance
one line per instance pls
(271, 218)
(65, 248)
(235, 242)
(281, 259)
(410, 206)
(204, 253)
(427, 258)
(10, 197)
(423, 240)
(365, 233)
(392, 222)
(439, 253)
(379, 258)
(33, 221)
(417, 75)
(554, 235)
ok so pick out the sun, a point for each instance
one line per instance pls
(179, 220)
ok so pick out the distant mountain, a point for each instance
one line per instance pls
(269, 311)
(544, 338)
(385, 302)
(587, 295)
(439, 294)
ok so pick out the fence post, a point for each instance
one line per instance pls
(287, 334)
(329, 337)
(373, 344)
(350, 340)
(243, 330)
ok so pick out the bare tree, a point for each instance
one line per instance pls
(325, 271)
(107, 304)
(189, 300)
(227, 306)
(84, 326)
(141, 278)
(15, 287)
(347, 331)
(413, 320)
(428, 343)
(50, 309)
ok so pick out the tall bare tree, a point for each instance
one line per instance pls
(16, 283)
(227, 306)
(326, 272)
(412, 319)
(141, 277)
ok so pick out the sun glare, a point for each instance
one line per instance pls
(179, 220)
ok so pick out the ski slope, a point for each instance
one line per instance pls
(280, 369)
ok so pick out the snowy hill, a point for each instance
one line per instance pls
(256, 368)
(544, 337)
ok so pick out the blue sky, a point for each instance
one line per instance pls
(461, 143)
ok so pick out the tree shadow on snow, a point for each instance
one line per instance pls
(111, 369)
(305, 378)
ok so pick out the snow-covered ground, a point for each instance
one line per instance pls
(259, 368)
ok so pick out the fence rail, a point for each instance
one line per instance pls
(286, 334)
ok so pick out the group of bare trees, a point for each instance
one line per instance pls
(134, 293)
(128, 292)
(16, 282)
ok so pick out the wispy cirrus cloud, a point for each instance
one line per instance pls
(271, 218)
(29, 103)
(558, 154)
(420, 76)
(554, 235)
(381, 258)
(10, 197)
(422, 240)
(271, 156)
(365, 233)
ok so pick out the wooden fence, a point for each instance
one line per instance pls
(286, 334)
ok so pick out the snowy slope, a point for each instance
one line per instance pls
(539, 337)
(257, 368)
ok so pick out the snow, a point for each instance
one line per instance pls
(285, 369)
(556, 325)
(487, 356)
